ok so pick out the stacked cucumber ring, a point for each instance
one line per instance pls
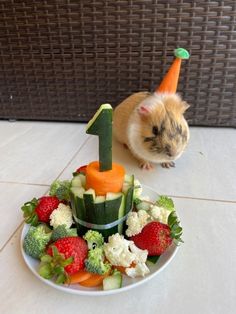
(104, 213)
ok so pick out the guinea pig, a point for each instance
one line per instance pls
(153, 127)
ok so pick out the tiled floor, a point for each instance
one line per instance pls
(201, 279)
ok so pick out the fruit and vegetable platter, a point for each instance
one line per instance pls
(98, 230)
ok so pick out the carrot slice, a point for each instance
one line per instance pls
(105, 181)
(81, 275)
(93, 281)
(122, 268)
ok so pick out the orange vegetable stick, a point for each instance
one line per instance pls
(122, 268)
(170, 81)
(105, 181)
(93, 281)
(81, 275)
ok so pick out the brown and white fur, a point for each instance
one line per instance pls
(153, 127)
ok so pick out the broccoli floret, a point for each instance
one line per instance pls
(95, 262)
(61, 189)
(36, 240)
(94, 239)
(61, 232)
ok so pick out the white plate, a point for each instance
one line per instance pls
(128, 283)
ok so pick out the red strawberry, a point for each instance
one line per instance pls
(156, 237)
(74, 247)
(81, 169)
(46, 206)
(39, 210)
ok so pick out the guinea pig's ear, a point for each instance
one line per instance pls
(184, 106)
(144, 111)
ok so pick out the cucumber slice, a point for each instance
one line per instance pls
(101, 125)
(128, 178)
(99, 199)
(89, 197)
(129, 197)
(112, 196)
(112, 282)
(77, 191)
(153, 259)
(112, 206)
(101, 210)
(82, 179)
(76, 182)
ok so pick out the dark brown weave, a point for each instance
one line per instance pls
(59, 60)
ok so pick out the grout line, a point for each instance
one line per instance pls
(73, 157)
(5, 244)
(2, 248)
(24, 183)
(203, 199)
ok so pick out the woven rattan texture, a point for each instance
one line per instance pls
(59, 60)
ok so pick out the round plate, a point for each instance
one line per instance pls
(128, 283)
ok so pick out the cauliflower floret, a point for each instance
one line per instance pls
(122, 252)
(160, 213)
(136, 221)
(140, 270)
(117, 251)
(140, 255)
(61, 216)
(137, 189)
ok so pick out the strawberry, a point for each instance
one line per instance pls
(64, 257)
(156, 237)
(75, 247)
(81, 169)
(39, 209)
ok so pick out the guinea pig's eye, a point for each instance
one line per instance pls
(155, 130)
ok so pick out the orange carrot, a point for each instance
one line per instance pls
(170, 81)
(122, 268)
(93, 281)
(105, 181)
(81, 275)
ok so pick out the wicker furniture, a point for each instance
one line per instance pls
(59, 60)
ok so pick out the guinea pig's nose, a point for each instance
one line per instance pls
(169, 154)
(169, 151)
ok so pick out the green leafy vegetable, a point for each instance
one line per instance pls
(62, 231)
(60, 189)
(165, 202)
(95, 262)
(94, 239)
(176, 229)
(36, 240)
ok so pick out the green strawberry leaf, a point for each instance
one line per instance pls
(165, 202)
(61, 279)
(29, 213)
(45, 271)
(67, 262)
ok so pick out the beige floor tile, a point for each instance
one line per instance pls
(13, 196)
(36, 152)
(206, 170)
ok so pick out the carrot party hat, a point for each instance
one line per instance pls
(170, 81)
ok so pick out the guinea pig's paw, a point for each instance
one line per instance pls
(145, 165)
(168, 164)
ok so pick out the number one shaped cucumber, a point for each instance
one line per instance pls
(101, 125)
